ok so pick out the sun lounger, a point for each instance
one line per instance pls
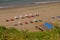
(26, 22)
(53, 17)
(31, 21)
(16, 17)
(7, 20)
(35, 20)
(20, 23)
(40, 28)
(22, 17)
(58, 16)
(12, 19)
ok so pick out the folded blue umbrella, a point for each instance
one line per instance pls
(48, 25)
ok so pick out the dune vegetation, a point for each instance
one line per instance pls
(13, 34)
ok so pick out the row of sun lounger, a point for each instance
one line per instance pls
(22, 17)
(42, 27)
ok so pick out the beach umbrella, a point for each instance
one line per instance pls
(26, 15)
(7, 20)
(48, 25)
(22, 17)
(16, 17)
(36, 14)
(31, 15)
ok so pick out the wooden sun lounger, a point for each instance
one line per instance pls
(40, 28)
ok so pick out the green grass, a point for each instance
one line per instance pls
(13, 34)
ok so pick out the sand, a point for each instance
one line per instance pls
(45, 12)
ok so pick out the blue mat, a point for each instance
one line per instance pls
(48, 25)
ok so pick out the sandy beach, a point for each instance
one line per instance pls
(45, 12)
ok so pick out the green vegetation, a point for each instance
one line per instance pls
(13, 34)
